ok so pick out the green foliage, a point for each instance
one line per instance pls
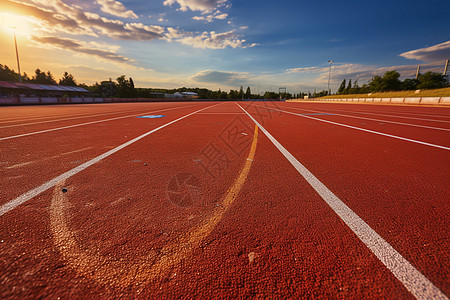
(67, 80)
(248, 93)
(42, 77)
(409, 84)
(389, 82)
(342, 87)
(125, 87)
(347, 90)
(432, 80)
(7, 74)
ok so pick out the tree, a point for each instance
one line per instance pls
(342, 87)
(131, 83)
(389, 82)
(67, 80)
(125, 87)
(7, 74)
(241, 92)
(432, 80)
(248, 93)
(43, 78)
(409, 84)
(349, 86)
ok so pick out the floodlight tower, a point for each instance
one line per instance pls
(17, 53)
(329, 76)
(282, 89)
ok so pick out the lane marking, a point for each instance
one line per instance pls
(51, 183)
(380, 120)
(87, 123)
(86, 107)
(151, 117)
(361, 129)
(65, 119)
(151, 266)
(239, 113)
(47, 158)
(413, 114)
(409, 276)
(394, 116)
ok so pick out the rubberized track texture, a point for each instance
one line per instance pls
(224, 200)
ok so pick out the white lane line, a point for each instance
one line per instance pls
(379, 120)
(416, 283)
(394, 116)
(47, 158)
(10, 205)
(65, 119)
(222, 113)
(413, 114)
(88, 123)
(34, 117)
(361, 129)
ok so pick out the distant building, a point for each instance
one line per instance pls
(190, 95)
(177, 95)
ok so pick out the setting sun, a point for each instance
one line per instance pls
(10, 22)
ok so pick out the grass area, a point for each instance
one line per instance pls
(445, 92)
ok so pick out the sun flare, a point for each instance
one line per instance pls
(11, 22)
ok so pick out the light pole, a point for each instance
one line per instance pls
(329, 76)
(17, 53)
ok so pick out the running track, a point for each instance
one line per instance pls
(224, 200)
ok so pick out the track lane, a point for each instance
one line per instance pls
(124, 208)
(439, 121)
(399, 189)
(432, 111)
(347, 115)
(25, 164)
(420, 136)
(16, 114)
(276, 240)
(66, 118)
(24, 131)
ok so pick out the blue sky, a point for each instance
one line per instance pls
(225, 43)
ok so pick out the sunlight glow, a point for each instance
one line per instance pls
(10, 22)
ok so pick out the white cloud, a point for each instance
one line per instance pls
(213, 40)
(197, 5)
(434, 53)
(218, 15)
(116, 8)
(305, 70)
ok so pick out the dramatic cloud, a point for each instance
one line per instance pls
(434, 53)
(213, 40)
(221, 77)
(57, 17)
(116, 8)
(210, 8)
(197, 5)
(218, 15)
(80, 47)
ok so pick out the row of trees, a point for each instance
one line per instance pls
(7, 74)
(390, 81)
(124, 87)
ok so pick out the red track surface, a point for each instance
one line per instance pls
(240, 226)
